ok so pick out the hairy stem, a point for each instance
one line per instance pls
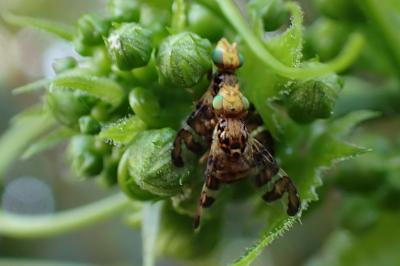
(349, 53)
(27, 226)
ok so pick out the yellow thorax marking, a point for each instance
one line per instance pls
(232, 102)
(230, 54)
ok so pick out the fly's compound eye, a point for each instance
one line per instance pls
(218, 57)
(241, 59)
(246, 103)
(217, 102)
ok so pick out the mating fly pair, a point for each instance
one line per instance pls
(222, 118)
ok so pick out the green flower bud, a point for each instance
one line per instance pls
(101, 62)
(124, 10)
(62, 64)
(145, 105)
(108, 176)
(313, 99)
(176, 238)
(150, 167)
(89, 125)
(86, 161)
(202, 22)
(129, 46)
(100, 112)
(187, 202)
(81, 48)
(183, 59)
(92, 28)
(128, 184)
(68, 106)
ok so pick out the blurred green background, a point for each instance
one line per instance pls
(43, 184)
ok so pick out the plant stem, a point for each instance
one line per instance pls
(349, 53)
(178, 23)
(150, 228)
(27, 226)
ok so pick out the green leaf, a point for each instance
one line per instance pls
(47, 142)
(122, 131)
(24, 128)
(305, 152)
(102, 88)
(349, 53)
(288, 45)
(33, 86)
(43, 83)
(150, 228)
(262, 91)
(59, 29)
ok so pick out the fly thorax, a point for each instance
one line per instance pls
(232, 137)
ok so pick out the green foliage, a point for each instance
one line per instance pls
(86, 159)
(17, 138)
(159, 177)
(122, 131)
(145, 105)
(101, 88)
(47, 141)
(324, 146)
(63, 64)
(91, 28)
(56, 28)
(145, 63)
(312, 99)
(124, 11)
(129, 46)
(176, 237)
(183, 59)
(204, 23)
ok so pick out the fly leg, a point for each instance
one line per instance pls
(202, 124)
(282, 185)
(255, 126)
(270, 170)
(270, 166)
(186, 137)
(210, 186)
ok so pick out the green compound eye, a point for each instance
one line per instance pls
(218, 57)
(246, 103)
(241, 60)
(217, 102)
